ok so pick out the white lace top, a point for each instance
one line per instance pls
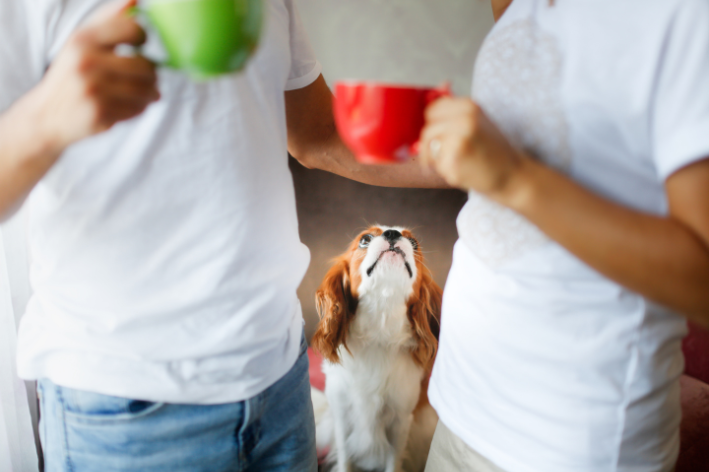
(544, 364)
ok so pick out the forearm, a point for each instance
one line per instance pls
(26, 153)
(333, 156)
(314, 142)
(87, 89)
(661, 258)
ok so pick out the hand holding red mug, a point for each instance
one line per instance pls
(381, 123)
(467, 149)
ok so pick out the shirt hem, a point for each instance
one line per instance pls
(686, 148)
(482, 447)
(157, 385)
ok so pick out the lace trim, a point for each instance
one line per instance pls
(517, 81)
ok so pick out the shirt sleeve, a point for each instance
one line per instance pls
(305, 68)
(21, 67)
(681, 103)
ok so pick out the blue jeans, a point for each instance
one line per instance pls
(273, 431)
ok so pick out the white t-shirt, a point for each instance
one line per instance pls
(544, 364)
(165, 254)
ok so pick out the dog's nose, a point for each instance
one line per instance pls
(391, 235)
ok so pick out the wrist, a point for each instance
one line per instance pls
(26, 154)
(28, 124)
(45, 123)
(521, 187)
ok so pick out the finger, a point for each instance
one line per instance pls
(130, 91)
(104, 94)
(112, 25)
(447, 165)
(445, 128)
(116, 110)
(122, 111)
(426, 155)
(449, 107)
(138, 68)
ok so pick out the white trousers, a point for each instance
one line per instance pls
(450, 454)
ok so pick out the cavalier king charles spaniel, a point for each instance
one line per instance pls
(379, 316)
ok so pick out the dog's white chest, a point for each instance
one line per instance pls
(375, 392)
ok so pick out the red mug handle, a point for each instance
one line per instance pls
(433, 95)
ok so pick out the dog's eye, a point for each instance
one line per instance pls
(366, 239)
(414, 243)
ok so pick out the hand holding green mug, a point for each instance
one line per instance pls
(205, 38)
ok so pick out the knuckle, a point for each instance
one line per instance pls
(468, 106)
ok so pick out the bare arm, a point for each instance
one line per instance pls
(314, 142)
(663, 258)
(26, 154)
(86, 91)
(499, 7)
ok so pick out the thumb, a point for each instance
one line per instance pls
(111, 25)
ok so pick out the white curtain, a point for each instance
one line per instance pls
(18, 403)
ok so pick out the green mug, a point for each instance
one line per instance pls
(205, 38)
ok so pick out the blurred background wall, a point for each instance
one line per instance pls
(423, 42)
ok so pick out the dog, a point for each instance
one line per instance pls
(379, 314)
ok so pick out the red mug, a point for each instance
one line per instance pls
(382, 123)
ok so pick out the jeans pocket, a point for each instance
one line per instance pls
(92, 407)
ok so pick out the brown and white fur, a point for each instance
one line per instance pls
(379, 311)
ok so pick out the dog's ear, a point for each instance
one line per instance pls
(336, 305)
(424, 314)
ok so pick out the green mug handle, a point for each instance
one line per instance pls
(137, 12)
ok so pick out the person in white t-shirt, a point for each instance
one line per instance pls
(585, 150)
(164, 327)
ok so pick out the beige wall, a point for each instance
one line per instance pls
(408, 41)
